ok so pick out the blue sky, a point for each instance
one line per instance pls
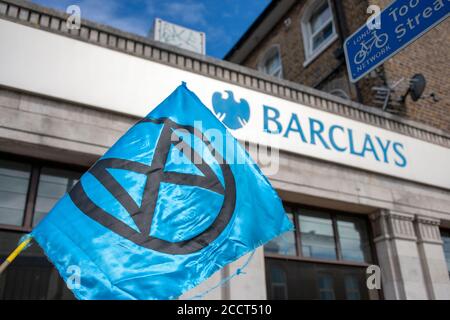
(223, 21)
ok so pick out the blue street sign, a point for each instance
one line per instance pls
(402, 22)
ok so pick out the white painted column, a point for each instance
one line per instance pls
(402, 276)
(432, 257)
(250, 285)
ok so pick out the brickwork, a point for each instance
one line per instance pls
(292, 51)
(430, 55)
(30, 14)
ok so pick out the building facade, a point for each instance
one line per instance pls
(67, 95)
(315, 58)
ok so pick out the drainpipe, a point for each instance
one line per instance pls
(343, 32)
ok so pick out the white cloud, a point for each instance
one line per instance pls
(125, 15)
(218, 34)
(111, 13)
(105, 12)
(186, 12)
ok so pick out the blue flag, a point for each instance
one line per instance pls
(171, 202)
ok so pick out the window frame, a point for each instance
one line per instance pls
(58, 285)
(268, 54)
(33, 184)
(308, 36)
(445, 231)
(296, 210)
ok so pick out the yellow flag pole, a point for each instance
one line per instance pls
(14, 254)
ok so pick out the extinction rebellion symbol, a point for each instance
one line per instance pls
(143, 215)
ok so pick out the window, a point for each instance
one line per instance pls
(317, 28)
(285, 244)
(53, 184)
(28, 191)
(352, 291)
(326, 287)
(278, 283)
(353, 238)
(297, 279)
(316, 232)
(445, 235)
(271, 63)
(14, 181)
(324, 258)
(31, 276)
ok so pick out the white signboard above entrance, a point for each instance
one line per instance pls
(57, 66)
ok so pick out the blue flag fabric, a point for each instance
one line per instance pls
(171, 202)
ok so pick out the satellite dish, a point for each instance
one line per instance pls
(417, 86)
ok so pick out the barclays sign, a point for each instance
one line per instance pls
(335, 137)
(310, 130)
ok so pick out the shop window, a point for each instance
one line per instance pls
(317, 235)
(28, 191)
(278, 283)
(317, 28)
(285, 244)
(31, 276)
(326, 287)
(14, 181)
(352, 291)
(271, 63)
(53, 184)
(306, 280)
(445, 235)
(327, 257)
(353, 238)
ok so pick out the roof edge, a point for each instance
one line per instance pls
(251, 28)
(20, 11)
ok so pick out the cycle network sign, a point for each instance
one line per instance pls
(401, 23)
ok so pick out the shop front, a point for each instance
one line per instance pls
(362, 187)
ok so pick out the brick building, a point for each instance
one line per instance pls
(283, 30)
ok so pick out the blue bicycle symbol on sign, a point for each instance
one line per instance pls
(366, 47)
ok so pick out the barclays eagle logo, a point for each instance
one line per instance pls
(233, 114)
